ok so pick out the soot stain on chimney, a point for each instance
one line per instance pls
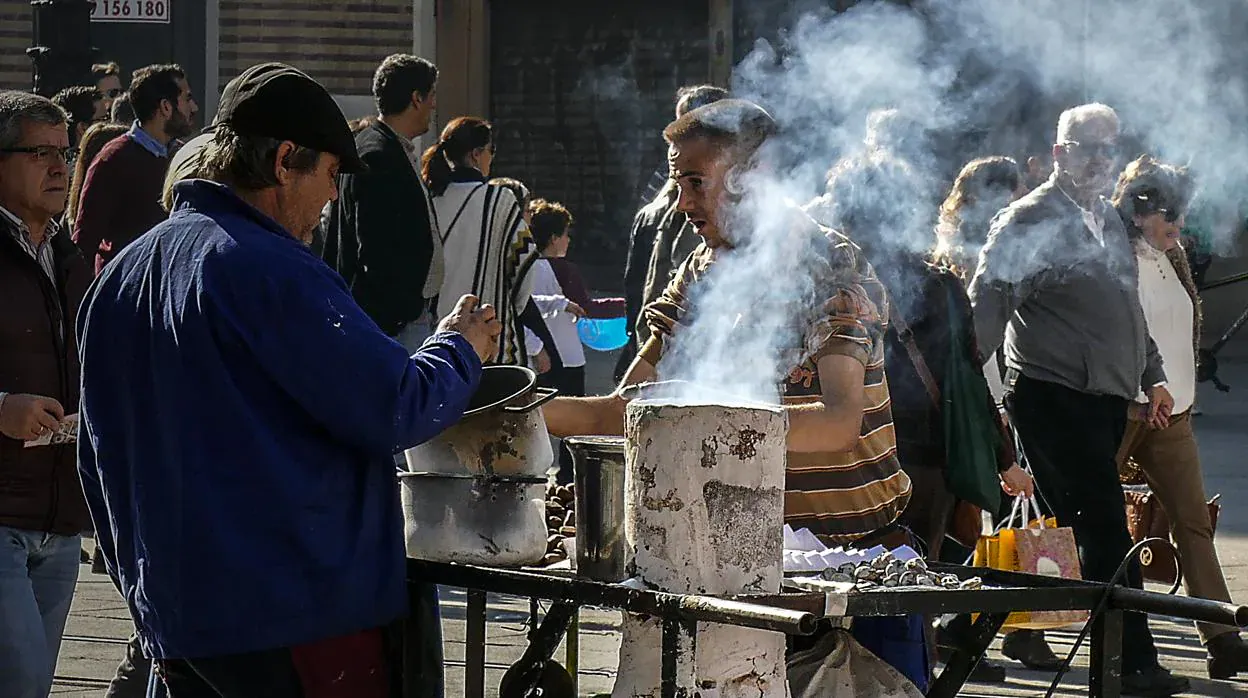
(734, 511)
(747, 443)
(709, 445)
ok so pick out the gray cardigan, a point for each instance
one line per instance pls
(1066, 308)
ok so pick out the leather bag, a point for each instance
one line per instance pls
(1147, 519)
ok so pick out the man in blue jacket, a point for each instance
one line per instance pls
(240, 412)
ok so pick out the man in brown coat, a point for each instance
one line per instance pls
(42, 280)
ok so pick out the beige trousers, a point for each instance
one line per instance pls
(1171, 464)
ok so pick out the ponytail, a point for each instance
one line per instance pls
(460, 137)
(435, 169)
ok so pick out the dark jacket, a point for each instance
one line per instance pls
(380, 238)
(39, 488)
(919, 294)
(240, 414)
(120, 199)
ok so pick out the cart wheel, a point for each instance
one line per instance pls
(554, 682)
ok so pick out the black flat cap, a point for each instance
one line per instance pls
(278, 101)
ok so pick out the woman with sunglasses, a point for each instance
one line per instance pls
(1151, 198)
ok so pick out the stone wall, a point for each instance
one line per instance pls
(580, 93)
(339, 44)
(16, 34)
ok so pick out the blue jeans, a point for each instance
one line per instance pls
(38, 572)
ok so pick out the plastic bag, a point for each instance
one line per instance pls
(838, 667)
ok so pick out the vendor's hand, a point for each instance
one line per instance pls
(541, 362)
(1160, 404)
(575, 309)
(477, 324)
(26, 417)
(1016, 481)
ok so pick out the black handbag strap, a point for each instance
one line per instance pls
(916, 357)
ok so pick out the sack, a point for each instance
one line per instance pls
(1147, 519)
(900, 642)
(972, 440)
(838, 667)
(1038, 547)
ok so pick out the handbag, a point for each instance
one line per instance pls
(1037, 546)
(1146, 518)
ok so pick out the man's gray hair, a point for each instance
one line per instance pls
(1076, 119)
(20, 108)
(246, 162)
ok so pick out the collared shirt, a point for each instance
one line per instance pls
(1091, 220)
(149, 144)
(437, 265)
(41, 254)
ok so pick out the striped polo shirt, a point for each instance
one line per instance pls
(838, 496)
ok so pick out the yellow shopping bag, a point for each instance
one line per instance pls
(1039, 546)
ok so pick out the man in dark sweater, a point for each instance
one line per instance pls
(121, 196)
(42, 281)
(383, 232)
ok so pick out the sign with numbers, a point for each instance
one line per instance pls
(144, 11)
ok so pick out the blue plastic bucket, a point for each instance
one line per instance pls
(604, 334)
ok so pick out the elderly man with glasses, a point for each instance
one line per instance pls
(1057, 286)
(43, 277)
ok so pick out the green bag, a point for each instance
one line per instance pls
(972, 440)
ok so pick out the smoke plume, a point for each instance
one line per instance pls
(948, 81)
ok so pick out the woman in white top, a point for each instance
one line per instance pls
(1151, 198)
(486, 245)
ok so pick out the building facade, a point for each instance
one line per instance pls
(579, 91)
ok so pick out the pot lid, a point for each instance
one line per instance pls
(500, 385)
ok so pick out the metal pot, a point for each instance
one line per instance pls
(476, 493)
(474, 519)
(501, 433)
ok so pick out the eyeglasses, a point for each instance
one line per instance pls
(44, 153)
(1108, 151)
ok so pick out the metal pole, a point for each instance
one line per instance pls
(474, 645)
(1217, 612)
(61, 52)
(1105, 671)
(573, 659)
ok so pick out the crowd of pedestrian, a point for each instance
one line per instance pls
(214, 346)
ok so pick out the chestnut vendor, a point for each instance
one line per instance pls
(843, 479)
(240, 413)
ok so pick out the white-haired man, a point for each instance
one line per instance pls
(1057, 285)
